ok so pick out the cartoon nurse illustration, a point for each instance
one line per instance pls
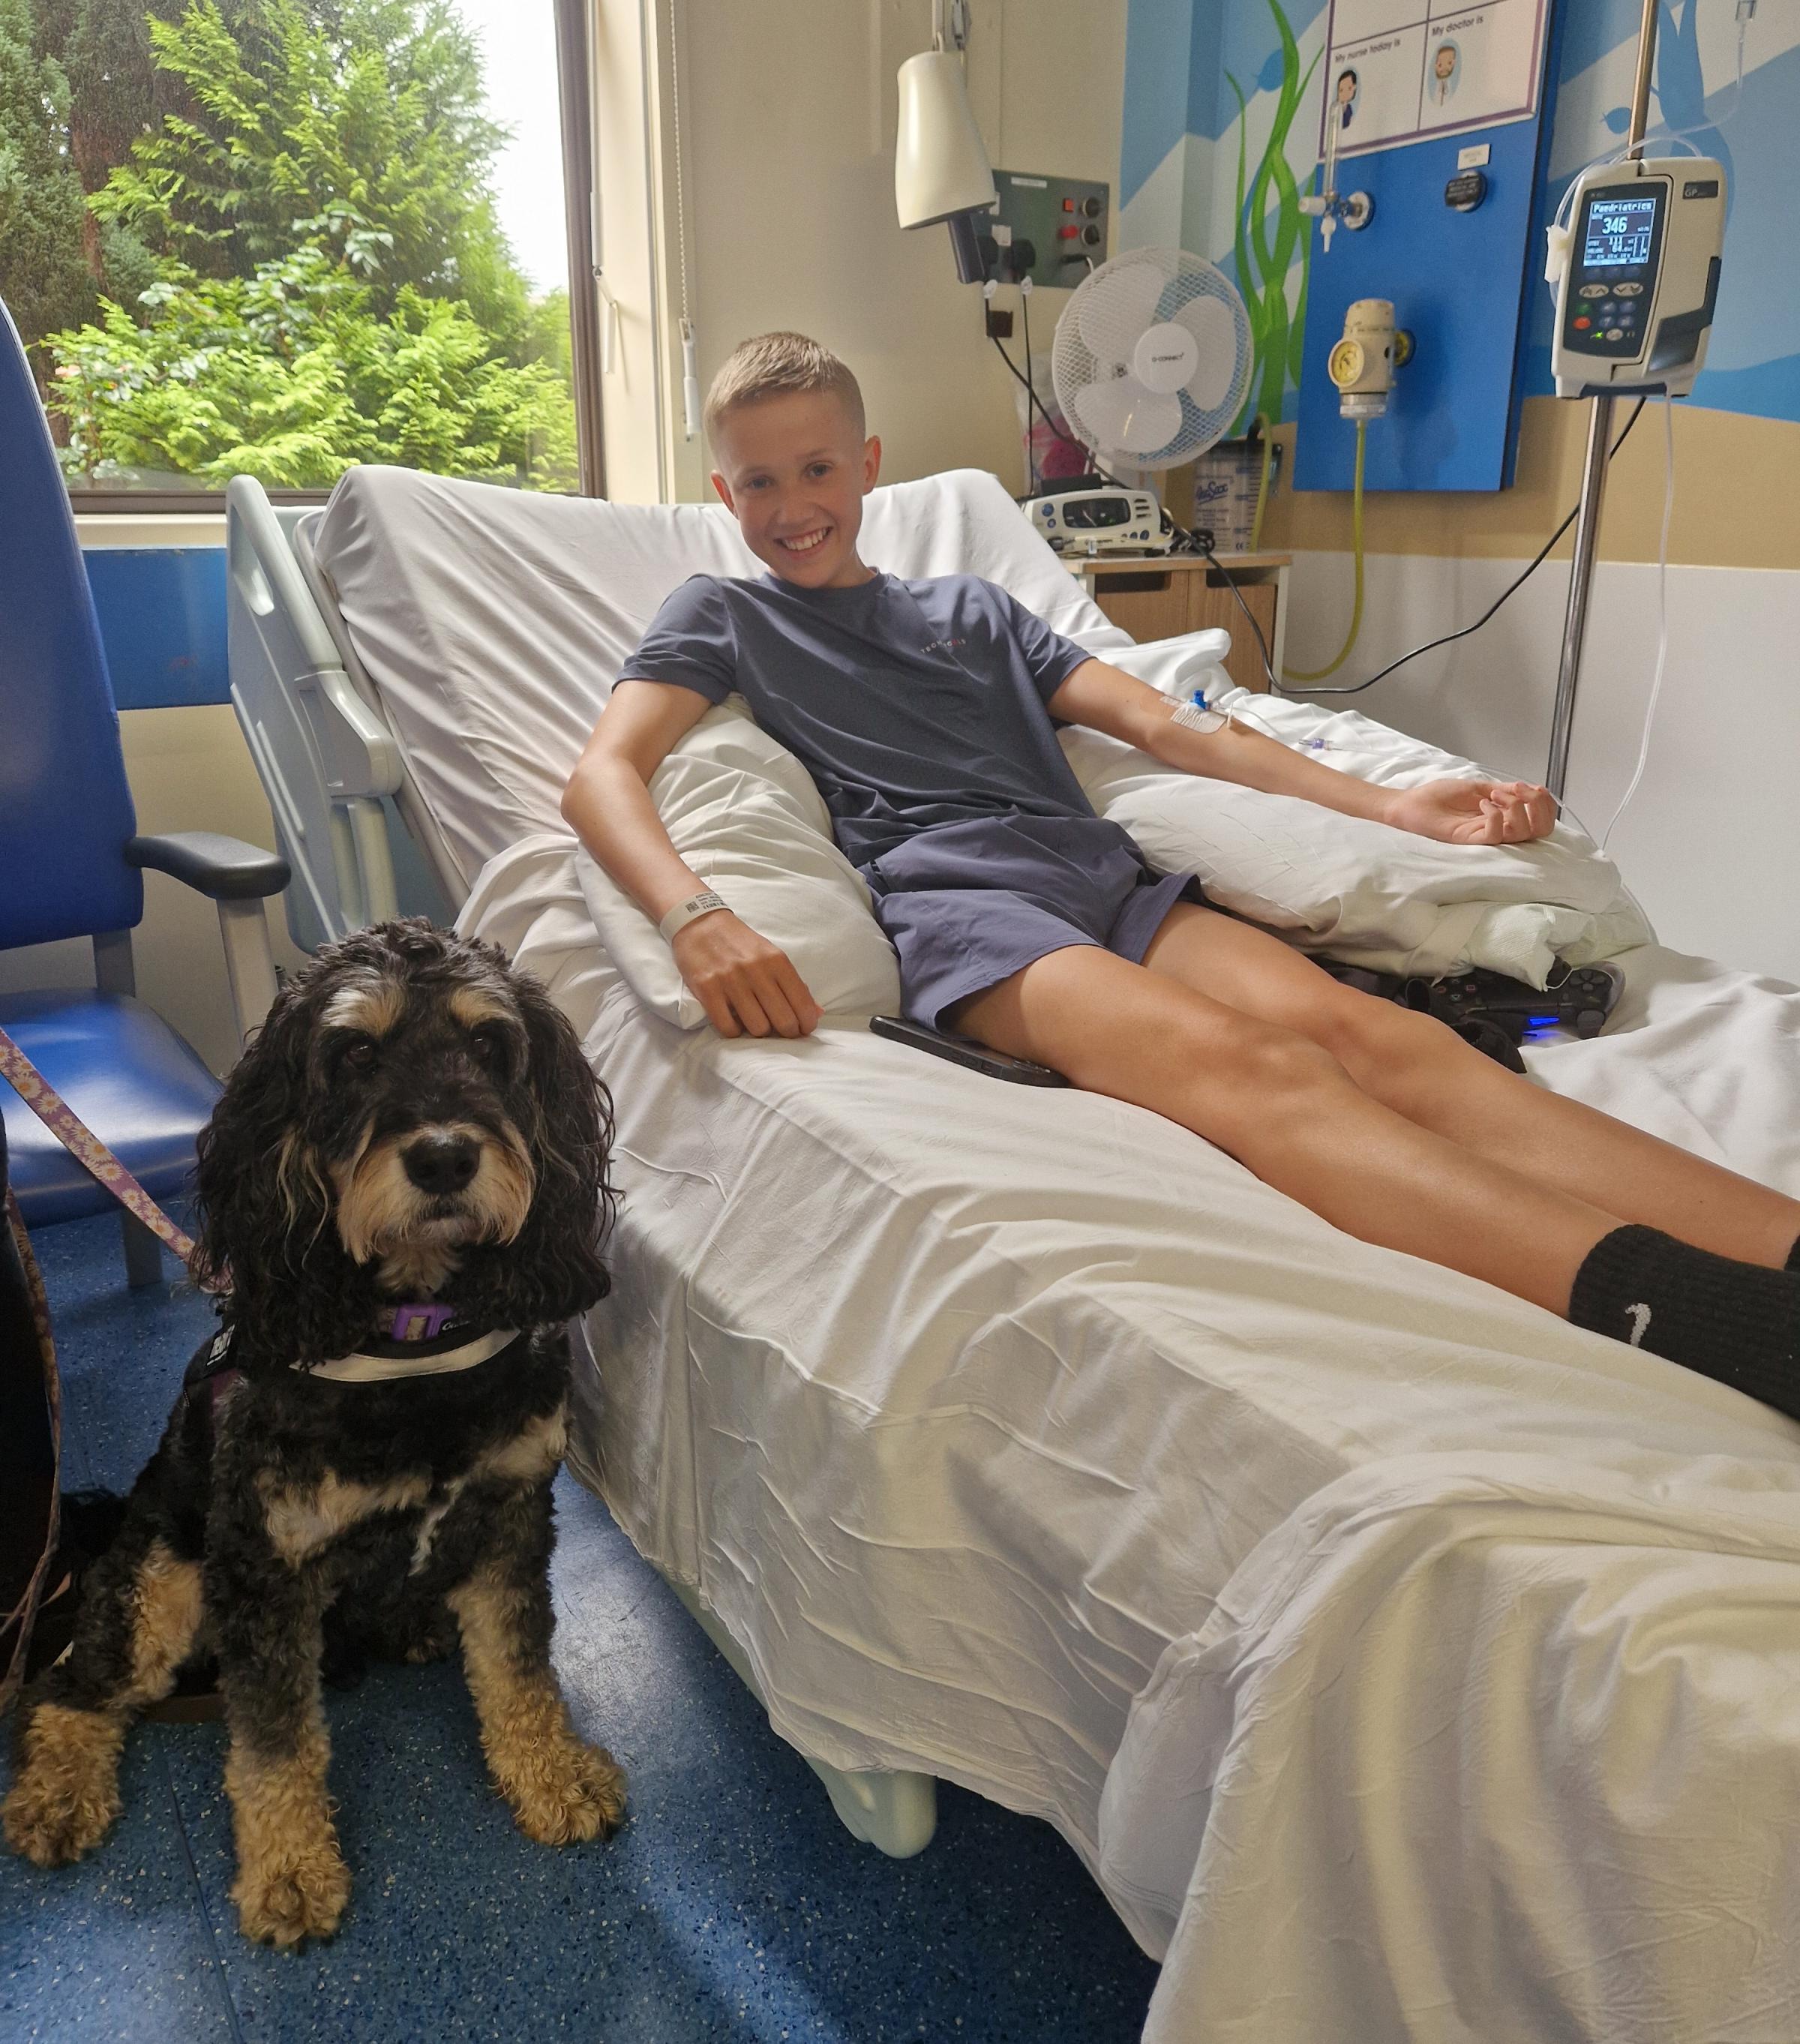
(1348, 87)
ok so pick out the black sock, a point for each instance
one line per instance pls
(1792, 1262)
(1737, 1322)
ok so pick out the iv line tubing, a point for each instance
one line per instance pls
(1319, 674)
(1663, 617)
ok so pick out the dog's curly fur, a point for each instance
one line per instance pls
(294, 1512)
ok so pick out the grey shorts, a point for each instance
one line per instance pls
(967, 905)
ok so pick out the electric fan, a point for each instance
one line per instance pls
(1152, 359)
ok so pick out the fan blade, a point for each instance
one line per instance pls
(1211, 322)
(1124, 417)
(1189, 439)
(1114, 306)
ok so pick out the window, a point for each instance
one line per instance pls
(279, 237)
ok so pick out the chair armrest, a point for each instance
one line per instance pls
(225, 868)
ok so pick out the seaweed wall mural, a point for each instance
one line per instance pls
(1220, 138)
(1263, 259)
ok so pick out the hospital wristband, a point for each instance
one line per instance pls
(684, 912)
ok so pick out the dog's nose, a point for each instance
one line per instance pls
(443, 1163)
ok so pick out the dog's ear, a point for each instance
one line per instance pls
(553, 1268)
(267, 1240)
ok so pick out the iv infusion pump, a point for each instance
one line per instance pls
(1636, 272)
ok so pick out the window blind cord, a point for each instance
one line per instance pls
(690, 372)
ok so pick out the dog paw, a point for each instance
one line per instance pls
(286, 1901)
(67, 1793)
(51, 1826)
(432, 1642)
(569, 1793)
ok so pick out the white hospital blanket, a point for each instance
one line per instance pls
(1405, 1663)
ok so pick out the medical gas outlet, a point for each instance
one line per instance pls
(1362, 364)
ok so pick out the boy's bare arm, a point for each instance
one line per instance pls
(746, 984)
(1461, 811)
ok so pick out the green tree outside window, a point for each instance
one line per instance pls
(264, 242)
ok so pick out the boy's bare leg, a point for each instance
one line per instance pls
(1286, 1108)
(1426, 1072)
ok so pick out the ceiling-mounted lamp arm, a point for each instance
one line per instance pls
(941, 167)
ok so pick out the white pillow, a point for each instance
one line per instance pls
(1367, 893)
(744, 814)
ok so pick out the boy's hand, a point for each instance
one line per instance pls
(745, 984)
(1474, 812)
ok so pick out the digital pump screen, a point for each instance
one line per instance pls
(1619, 233)
(1098, 511)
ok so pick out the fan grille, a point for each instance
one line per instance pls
(1098, 333)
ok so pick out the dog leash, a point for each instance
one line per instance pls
(85, 1147)
(16, 1624)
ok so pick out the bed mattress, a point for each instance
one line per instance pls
(1403, 1662)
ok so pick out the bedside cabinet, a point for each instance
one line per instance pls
(1155, 596)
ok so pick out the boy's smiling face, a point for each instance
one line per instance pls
(793, 470)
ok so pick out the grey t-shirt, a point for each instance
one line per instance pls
(911, 704)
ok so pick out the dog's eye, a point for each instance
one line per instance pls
(489, 1043)
(359, 1053)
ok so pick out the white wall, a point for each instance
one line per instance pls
(1711, 844)
(788, 119)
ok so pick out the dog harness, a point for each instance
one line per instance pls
(411, 1340)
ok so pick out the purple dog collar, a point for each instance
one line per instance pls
(415, 1322)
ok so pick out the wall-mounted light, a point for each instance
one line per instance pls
(941, 166)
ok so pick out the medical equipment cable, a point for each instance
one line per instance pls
(1450, 638)
(1203, 545)
(1259, 425)
(1662, 614)
(1030, 380)
(1319, 674)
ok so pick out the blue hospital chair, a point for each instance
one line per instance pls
(71, 861)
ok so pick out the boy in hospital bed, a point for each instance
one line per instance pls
(927, 712)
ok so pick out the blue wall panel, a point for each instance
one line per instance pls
(162, 615)
(1459, 281)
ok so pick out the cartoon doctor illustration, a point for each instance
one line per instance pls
(1446, 72)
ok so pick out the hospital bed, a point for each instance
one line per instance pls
(1402, 1661)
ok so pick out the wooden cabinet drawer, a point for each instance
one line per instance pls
(1157, 599)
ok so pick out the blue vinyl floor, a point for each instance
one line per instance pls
(731, 1905)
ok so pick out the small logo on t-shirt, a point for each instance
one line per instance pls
(943, 646)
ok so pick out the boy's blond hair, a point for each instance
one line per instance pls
(774, 365)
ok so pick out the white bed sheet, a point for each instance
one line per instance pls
(1404, 1662)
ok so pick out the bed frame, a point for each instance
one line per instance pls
(364, 847)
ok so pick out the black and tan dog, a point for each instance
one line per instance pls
(404, 1198)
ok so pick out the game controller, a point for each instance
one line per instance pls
(1580, 997)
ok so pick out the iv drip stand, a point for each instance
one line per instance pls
(1594, 470)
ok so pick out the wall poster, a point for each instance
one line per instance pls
(1409, 71)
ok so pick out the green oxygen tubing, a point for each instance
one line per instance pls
(1319, 674)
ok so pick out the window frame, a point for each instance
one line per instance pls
(575, 99)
